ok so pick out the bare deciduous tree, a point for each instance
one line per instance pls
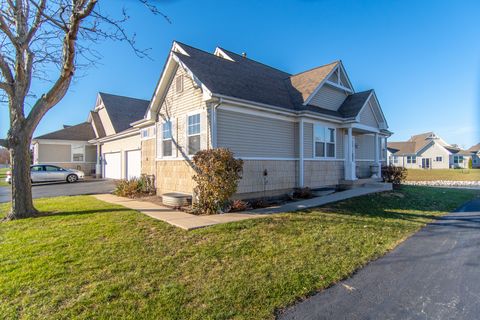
(39, 38)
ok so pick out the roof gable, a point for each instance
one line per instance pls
(122, 111)
(79, 132)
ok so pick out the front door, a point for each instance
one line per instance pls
(426, 163)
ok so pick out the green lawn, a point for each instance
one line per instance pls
(3, 175)
(88, 259)
(443, 174)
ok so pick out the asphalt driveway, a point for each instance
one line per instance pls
(435, 274)
(64, 189)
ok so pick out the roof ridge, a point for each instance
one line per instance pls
(121, 96)
(261, 63)
(314, 68)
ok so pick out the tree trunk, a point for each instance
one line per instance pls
(22, 203)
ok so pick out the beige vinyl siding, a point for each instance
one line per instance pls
(107, 124)
(177, 106)
(90, 153)
(255, 136)
(366, 147)
(308, 140)
(367, 117)
(54, 153)
(334, 77)
(432, 152)
(328, 97)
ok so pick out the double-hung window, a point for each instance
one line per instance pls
(457, 159)
(193, 133)
(324, 142)
(78, 152)
(411, 159)
(167, 139)
(438, 159)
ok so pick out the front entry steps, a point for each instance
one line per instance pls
(176, 199)
(351, 184)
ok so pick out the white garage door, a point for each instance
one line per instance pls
(113, 165)
(133, 164)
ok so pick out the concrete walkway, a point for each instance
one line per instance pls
(188, 221)
(179, 219)
(320, 201)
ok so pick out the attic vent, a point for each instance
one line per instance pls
(244, 55)
(179, 84)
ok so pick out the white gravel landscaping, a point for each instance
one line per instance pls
(444, 183)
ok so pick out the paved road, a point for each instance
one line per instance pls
(435, 274)
(64, 189)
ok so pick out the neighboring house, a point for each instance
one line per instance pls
(426, 151)
(106, 145)
(68, 148)
(308, 129)
(475, 154)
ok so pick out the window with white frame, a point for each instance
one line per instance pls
(144, 133)
(167, 139)
(78, 152)
(324, 142)
(438, 159)
(411, 159)
(457, 159)
(193, 133)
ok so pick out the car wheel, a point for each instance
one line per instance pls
(72, 178)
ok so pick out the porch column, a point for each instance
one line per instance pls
(349, 160)
(377, 155)
(300, 154)
(98, 165)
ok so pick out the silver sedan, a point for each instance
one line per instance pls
(48, 172)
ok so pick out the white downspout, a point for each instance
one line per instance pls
(213, 129)
(301, 173)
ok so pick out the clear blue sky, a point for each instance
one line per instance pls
(421, 57)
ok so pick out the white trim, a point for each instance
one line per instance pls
(171, 120)
(176, 47)
(324, 159)
(333, 84)
(267, 158)
(199, 134)
(320, 85)
(222, 54)
(48, 141)
(123, 134)
(301, 139)
(327, 128)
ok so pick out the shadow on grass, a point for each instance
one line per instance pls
(44, 214)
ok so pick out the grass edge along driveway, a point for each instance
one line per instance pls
(89, 259)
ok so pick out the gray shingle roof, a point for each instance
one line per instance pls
(123, 110)
(401, 148)
(475, 148)
(353, 104)
(253, 81)
(79, 132)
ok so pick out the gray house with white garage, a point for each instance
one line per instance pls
(106, 145)
(306, 129)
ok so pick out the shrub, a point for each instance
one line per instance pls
(134, 187)
(239, 205)
(216, 173)
(470, 164)
(393, 174)
(303, 193)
